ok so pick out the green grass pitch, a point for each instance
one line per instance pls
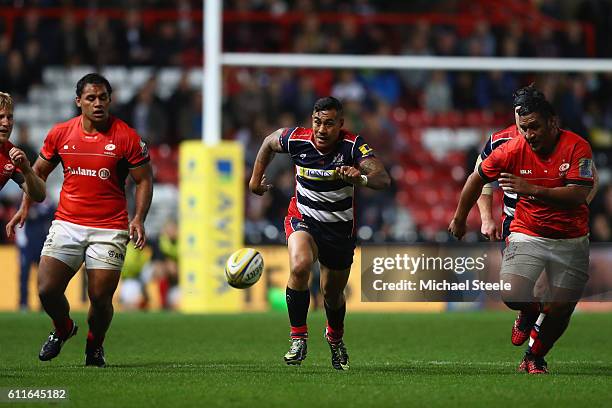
(401, 360)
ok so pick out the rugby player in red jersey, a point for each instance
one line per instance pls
(551, 172)
(490, 228)
(329, 162)
(97, 152)
(14, 165)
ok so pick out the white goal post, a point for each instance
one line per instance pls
(216, 59)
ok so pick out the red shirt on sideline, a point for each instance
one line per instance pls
(95, 168)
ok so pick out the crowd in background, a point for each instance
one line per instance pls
(258, 101)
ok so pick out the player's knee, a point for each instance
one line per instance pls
(100, 299)
(300, 269)
(47, 290)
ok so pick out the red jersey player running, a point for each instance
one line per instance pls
(551, 172)
(97, 152)
(14, 165)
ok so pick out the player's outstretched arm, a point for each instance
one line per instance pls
(488, 227)
(143, 177)
(567, 197)
(33, 185)
(42, 168)
(469, 196)
(270, 146)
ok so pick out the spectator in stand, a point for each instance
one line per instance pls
(437, 95)
(70, 45)
(146, 113)
(14, 78)
(133, 40)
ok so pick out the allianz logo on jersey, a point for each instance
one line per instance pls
(102, 173)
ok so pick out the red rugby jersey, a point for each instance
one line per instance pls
(570, 163)
(7, 170)
(95, 168)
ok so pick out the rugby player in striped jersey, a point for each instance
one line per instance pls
(329, 163)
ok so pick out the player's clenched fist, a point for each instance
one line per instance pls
(457, 228)
(19, 159)
(349, 174)
(261, 187)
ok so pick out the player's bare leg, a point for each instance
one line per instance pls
(302, 254)
(522, 298)
(333, 283)
(551, 324)
(102, 284)
(53, 278)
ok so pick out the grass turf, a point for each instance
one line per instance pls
(450, 359)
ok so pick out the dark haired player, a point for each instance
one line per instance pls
(97, 152)
(329, 163)
(551, 172)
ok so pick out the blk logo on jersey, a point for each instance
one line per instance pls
(525, 171)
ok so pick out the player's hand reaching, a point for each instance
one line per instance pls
(349, 174)
(457, 228)
(18, 220)
(19, 159)
(137, 233)
(490, 229)
(513, 184)
(261, 187)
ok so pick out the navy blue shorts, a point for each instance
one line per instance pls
(334, 253)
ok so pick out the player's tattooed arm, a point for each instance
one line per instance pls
(270, 146)
(371, 173)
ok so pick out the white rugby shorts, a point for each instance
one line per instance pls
(566, 260)
(72, 244)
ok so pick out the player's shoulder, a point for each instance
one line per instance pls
(297, 133)
(502, 136)
(120, 127)
(61, 127)
(571, 139)
(348, 137)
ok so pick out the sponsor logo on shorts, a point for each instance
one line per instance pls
(104, 173)
(116, 255)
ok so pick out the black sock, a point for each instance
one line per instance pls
(335, 321)
(297, 305)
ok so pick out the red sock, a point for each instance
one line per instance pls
(164, 287)
(63, 328)
(94, 341)
(334, 335)
(300, 332)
